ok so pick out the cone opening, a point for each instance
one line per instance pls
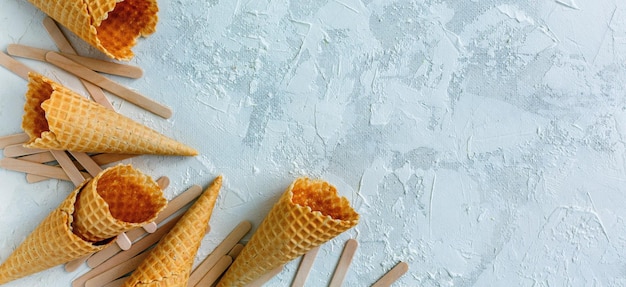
(132, 196)
(321, 196)
(34, 121)
(128, 20)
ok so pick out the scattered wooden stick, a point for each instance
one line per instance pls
(234, 252)
(265, 278)
(14, 66)
(97, 65)
(26, 167)
(222, 249)
(305, 267)
(173, 206)
(111, 86)
(216, 271)
(87, 162)
(42, 157)
(344, 263)
(18, 150)
(64, 46)
(393, 275)
(13, 139)
(68, 166)
(100, 159)
(117, 271)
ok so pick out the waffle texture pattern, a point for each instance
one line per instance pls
(170, 262)
(308, 214)
(111, 26)
(57, 118)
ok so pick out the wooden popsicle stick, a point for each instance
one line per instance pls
(173, 206)
(74, 264)
(68, 166)
(305, 267)
(100, 159)
(393, 275)
(14, 66)
(234, 252)
(220, 267)
(42, 157)
(97, 65)
(266, 277)
(17, 150)
(150, 227)
(111, 86)
(13, 139)
(64, 46)
(87, 162)
(117, 282)
(344, 263)
(139, 246)
(123, 241)
(36, 168)
(117, 271)
(222, 249)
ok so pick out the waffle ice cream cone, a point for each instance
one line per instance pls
(56, 240)
(307, 215)
(57, 118)
(169, 263)
(111, 26)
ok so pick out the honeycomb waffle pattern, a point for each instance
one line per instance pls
(77, 124)
(170, 262)
(291, 229)
(50, 244)
(96, 21)
(117, 199)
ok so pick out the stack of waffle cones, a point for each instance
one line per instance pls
(87, 221)
(112, 26)
(170, 262)
(57, 118)
(307, 215)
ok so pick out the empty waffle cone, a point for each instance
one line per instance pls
(112, 26)
(57, 118)
(169, 263)
(307, 215)
(56, 241)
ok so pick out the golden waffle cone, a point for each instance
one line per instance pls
(102, 211)
(112, 26)
(169, 263)
(57, 118)
(307, 215)
(55, 241)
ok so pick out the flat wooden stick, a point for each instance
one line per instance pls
(13, 139)
(305, 267)
(37, 168)
(163, 183)
(266, 277)
(222, 249)
(394, 274)
(14, 66)
(87, 162)
(220, 267)
(173, 206)
(64, 46)
(117, 271)
(97, 65)
(117, 283)
(234, 252)
(42, 157)
(344, 263)
(111, 86)
(68, 166)
(17, 150)
(100, 159)
(138, 247)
